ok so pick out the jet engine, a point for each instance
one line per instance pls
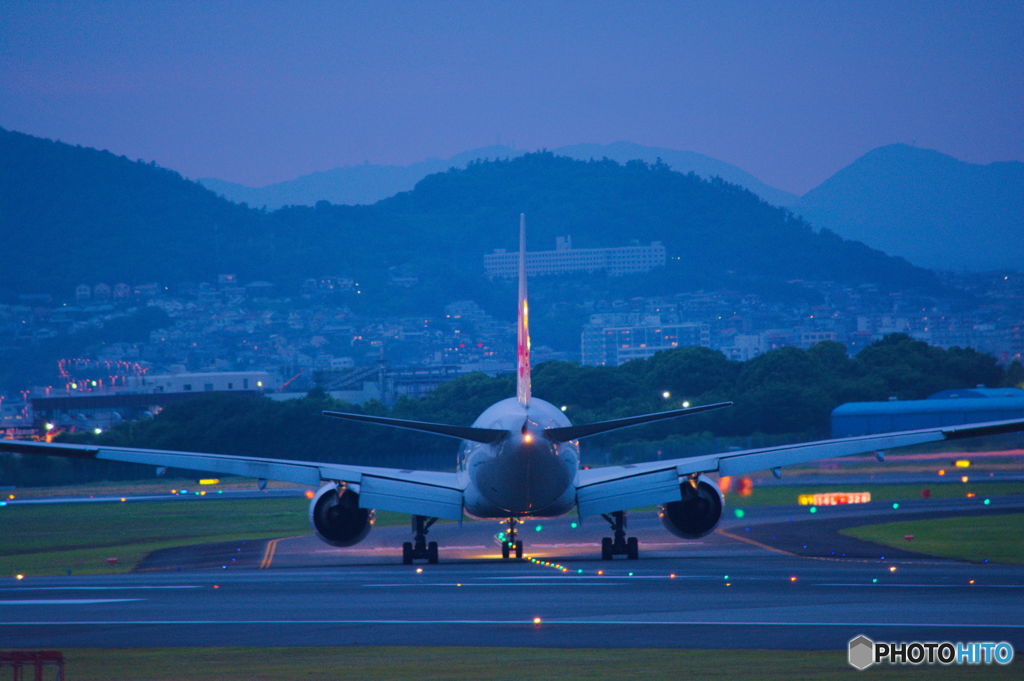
(336, 517)
(697, 514)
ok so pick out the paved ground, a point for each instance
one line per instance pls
(743, 587)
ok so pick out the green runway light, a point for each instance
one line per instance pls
(813, 509)
(575, 524)
(875, 580)
(895, 505)
(630, 574)
(988, 501)
(538, 528)
(739, 512)
(579, 572)
(725, 576)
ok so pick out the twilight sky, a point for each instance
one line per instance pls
(258, 92)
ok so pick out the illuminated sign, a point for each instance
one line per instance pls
(962, 463)
(209, 481)
(833, 498)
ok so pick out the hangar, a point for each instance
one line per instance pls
(945, 408)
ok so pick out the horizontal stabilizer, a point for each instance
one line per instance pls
(486, 435)
(576, 432)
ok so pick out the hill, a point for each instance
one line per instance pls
(368, 183)
(76, 215)
(928, 207)
(71, 214)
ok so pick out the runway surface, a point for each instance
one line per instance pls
(742, 587)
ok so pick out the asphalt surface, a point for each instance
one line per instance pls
(742, 587)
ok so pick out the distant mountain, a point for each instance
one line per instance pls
(71, 215)
(682, 162)
(928, 207)
(349, 185)
(368, 183)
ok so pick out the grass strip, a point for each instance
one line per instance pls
(475, 664)
(976, 538)
(54, 538)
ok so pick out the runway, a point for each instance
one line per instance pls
(728, 590)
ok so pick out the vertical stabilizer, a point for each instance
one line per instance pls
(523, 326)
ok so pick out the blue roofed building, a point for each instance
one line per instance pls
(945, 408)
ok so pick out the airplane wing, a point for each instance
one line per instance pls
(431, 493)
(615, 488)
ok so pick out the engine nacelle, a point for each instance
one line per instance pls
(697, 514)
(336, 517)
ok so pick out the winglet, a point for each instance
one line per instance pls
(523, 326)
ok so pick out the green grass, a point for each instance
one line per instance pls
(52, 539)
(775, 495)
(995, 537)
(476, 664)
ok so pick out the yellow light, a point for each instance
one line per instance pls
(962, 463)
(666, 394)
(970, 495)
(792, 579)
(963, 479)
(202, 493)
(528, 438)
(310, 494)
(19, 577)
(536, 621)
(419, 571)
(970, 581)
(892, 568)
(600, 572)
(672, 576)
(209, 481)
(123, 500)
(686, 404)
(942, 471)
(97, 431)
(50, 426)
(259, 384)
(563, 407)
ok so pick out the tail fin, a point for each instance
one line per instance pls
(523, 327)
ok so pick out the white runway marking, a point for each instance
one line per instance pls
(465, 585)
(547, 622)
(931, 586)
(72, 601)
(94, 588)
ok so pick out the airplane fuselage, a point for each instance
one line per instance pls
(525, 474)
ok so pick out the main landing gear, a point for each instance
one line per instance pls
(511, 545)
(620, 545)
(419, 549)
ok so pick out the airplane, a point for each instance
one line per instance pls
(519, 459)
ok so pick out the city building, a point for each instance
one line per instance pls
(611, 345)
(566, 260)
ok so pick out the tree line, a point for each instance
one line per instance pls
(781, 396)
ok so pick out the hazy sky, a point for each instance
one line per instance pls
(258, 91)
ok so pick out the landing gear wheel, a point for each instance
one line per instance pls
(419, 549)
(619, 544)
(510, 544)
